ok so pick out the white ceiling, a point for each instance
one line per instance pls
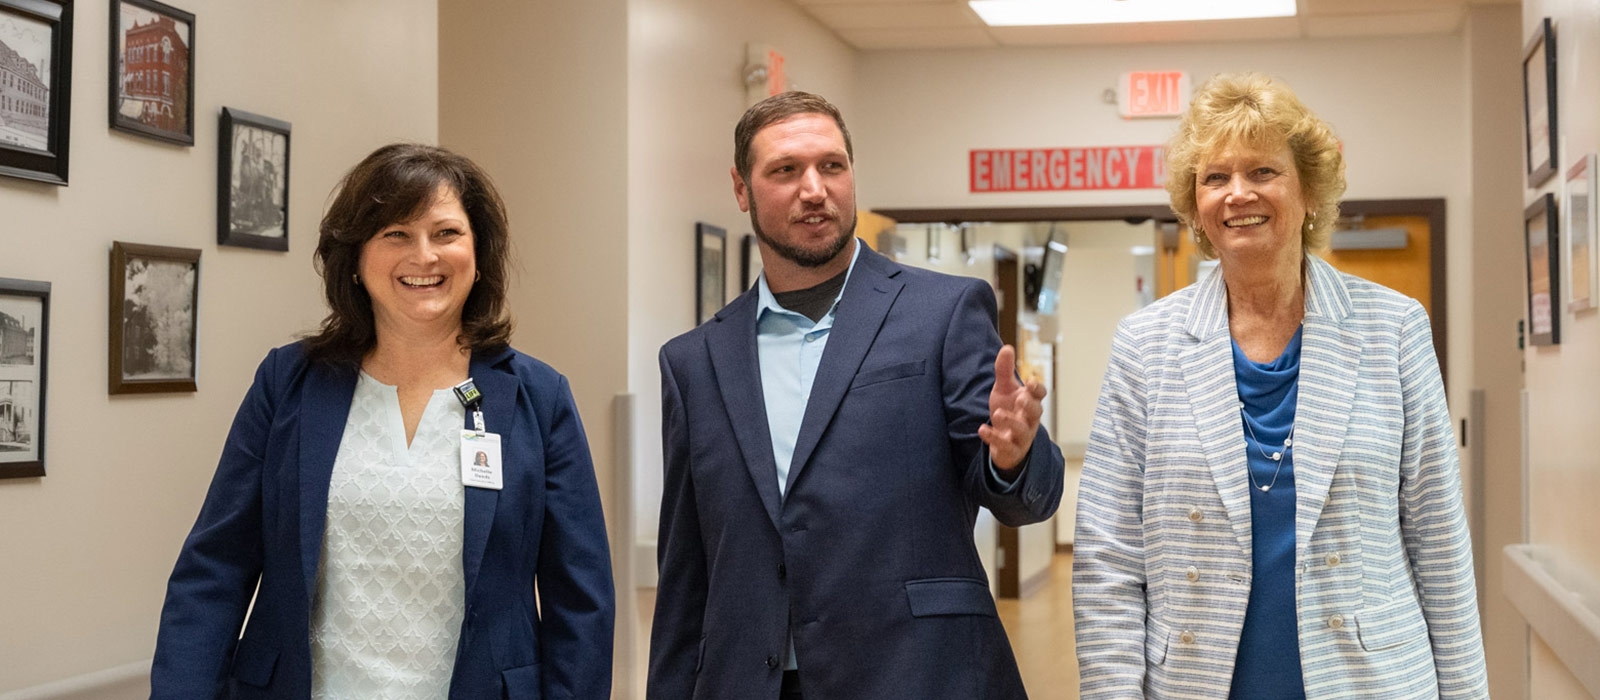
(942, 24)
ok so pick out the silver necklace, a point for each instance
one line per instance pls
(1288, 441)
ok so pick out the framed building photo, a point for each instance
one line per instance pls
(710, 290)
(1539, 103)
(1583, 259)
(155, 293)
(749, 261)
(24, 352)
(35, 88)
(1544, 271)
(152, 70)
(252, 181)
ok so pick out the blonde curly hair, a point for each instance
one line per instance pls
(1258, 111)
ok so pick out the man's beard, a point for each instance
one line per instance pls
(801, 256)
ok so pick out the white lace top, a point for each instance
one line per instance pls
(390, 590)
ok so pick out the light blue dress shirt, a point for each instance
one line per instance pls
(789, 349)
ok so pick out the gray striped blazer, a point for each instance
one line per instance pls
(1383, 575)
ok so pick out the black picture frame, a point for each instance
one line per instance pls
(749, 261)
(253, 181)
(1540, 129)
(1542, 244)
(24, 376)
(151, 70)
(710, 270)
(154, 319)
(38, 151)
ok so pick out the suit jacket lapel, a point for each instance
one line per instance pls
(1208, 375)
(500, 394)
(324, 409)
(1330, 354)
(868, 294)
(731, 344)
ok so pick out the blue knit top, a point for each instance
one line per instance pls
(1268, 663)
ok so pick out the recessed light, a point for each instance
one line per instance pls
(1022, 13)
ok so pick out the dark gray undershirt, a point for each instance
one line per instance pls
(813, 302)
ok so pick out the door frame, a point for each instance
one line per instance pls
(1431, 208)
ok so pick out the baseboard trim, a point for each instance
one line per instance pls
(126, 682)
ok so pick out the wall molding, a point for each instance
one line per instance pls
(125, 682)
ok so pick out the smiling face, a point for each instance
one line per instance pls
(419, 272)
(802, 193)
(1250, 203)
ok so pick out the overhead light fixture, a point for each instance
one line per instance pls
(1025, 13)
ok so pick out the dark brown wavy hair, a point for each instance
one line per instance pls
(397, 183)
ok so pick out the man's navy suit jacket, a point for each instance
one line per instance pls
(263, 522)
(870, 558)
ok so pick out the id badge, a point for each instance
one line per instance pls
(480, 460)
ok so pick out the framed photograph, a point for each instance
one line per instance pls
(1544, 271)
(710, 289)
(749, 261)
(1539, 103)
(24, 354)
(35, 88)
(152, 70)
(252, 181)
(1583, 260)
(155, 293)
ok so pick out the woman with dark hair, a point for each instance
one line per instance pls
(386, 560)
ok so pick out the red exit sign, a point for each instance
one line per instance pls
(1153, 94)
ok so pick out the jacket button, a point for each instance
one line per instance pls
(1336, 621)
(1186, 637)
(783, 572)
(772, 661)
(1333, 559)
(1195, 515)
(1193, 574)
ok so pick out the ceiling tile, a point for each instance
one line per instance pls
(952, 38)
(1323, 8)
(1445, 21)
(899, 16)
(1150, 32)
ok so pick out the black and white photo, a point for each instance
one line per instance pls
(253, 181)
(24, 319)
(710, 273)
(154, 295)
(35, 88)
(152, 70)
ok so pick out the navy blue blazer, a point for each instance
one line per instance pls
(263, 519)
(870, 558)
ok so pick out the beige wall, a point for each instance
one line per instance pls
(87, 549)
(1562, 381)
(684, 96)
(1492, 51)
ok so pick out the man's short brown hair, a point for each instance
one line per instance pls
(776, 109)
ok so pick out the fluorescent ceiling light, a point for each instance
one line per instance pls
(1014, 13)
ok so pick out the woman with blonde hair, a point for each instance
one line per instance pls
(1271, 503)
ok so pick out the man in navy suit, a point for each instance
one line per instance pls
(829, 438)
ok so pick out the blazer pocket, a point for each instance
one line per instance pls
(950, 596)
(253, 663)
(879, 375)
(1391, 624)
(521, 682)
(1156, 637)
